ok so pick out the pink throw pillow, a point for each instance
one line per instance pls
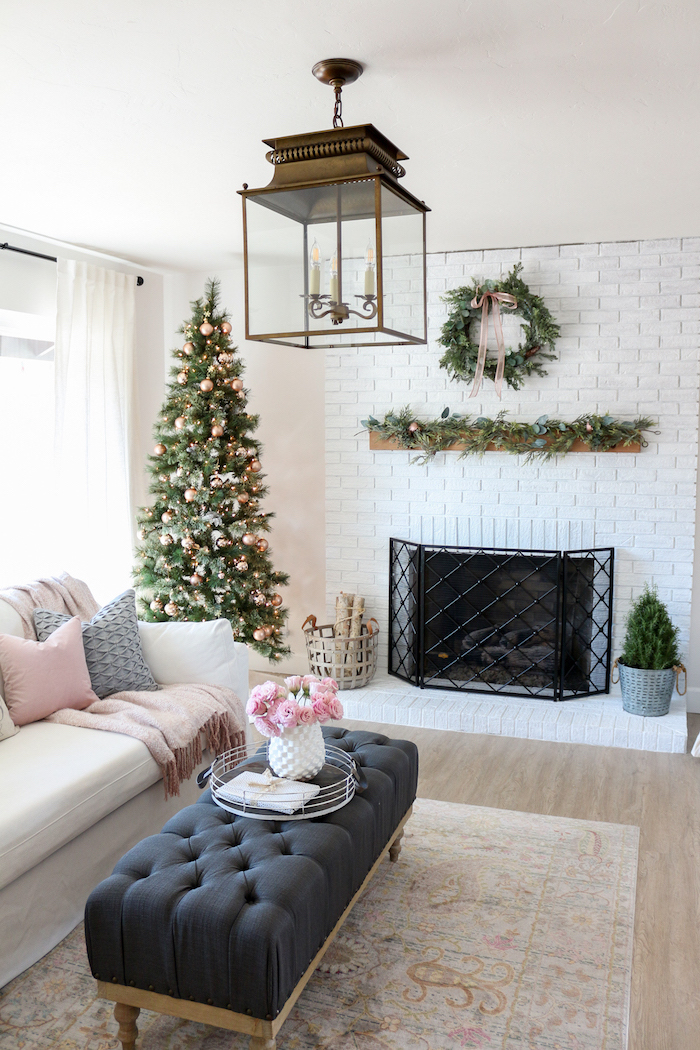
(43, 677)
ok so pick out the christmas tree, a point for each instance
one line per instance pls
(201, 554)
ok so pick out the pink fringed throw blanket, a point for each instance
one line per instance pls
(169, 723)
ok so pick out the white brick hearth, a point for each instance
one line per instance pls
(597, 720)
(630, 317)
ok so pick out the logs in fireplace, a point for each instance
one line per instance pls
(534, 623)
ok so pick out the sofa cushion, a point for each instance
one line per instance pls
(43, 677)
(56, 781)
(10, 623)
(112, 645)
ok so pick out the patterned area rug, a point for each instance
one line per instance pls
(494, 929)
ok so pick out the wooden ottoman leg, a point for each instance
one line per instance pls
(395, 847)
(126, 1016)
(258, 1042)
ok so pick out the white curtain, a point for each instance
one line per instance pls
(92, 518)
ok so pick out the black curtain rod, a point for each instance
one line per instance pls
(38, 255)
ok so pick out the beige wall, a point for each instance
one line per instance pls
(286, 389)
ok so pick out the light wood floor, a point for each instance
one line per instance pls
(659, 793)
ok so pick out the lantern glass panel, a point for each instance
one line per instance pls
(275, 246)
(402, 265)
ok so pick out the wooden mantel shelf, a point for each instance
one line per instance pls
(379, 444)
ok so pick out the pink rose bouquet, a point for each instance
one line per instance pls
(301, 701)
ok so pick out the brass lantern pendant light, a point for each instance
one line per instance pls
(334, 247)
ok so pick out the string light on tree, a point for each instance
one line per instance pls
(202, 555)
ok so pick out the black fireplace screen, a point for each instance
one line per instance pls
(524, 623)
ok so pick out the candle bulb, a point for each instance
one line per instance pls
(315, 269)
(369, 269)
(334, 280)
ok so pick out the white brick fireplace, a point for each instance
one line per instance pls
(630, 317)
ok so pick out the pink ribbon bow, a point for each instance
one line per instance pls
(510, 302)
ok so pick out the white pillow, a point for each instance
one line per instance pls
(203, 653)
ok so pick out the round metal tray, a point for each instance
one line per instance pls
(338, 780)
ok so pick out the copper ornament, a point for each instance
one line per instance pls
(225, 328)
(206, 386)
(217, 431)
(188, 348)
(182, 378)
(242, 497)
(188, 543)
(236, 384)
(171, 609)
(180, 422)
(259, 635)
(159, 450)
(262, 545)
(242, 565)
(190, 494)
(196, 579)
(155, 605)
(166, 517)
(277, 600)
(206, 328)
(166, 539)
(249, 539)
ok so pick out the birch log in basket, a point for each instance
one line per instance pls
(351, 661)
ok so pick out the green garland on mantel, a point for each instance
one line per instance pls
(543, 439)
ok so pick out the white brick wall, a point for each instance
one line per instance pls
(630, 317)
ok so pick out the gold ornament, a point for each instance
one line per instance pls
(190, 494)
(249, 539)
(223, 542)
(188, 543)
(242, 497)
(166, 517)
(262, 545)
(180, 422)
(217, 431)
(268, 631)
(188, 348)
(259, 635)
(155, 605)
(277, 600)
(196, 579)
(171, 609)
(206, 386)
(216, 482)
(182, 378)
(240, 451)
(206, 328)
(166, 539)
(226, 328)
(159, 450)
(254, 465)
(236, 384)
(242, 565)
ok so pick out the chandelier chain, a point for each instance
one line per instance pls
(338, 108)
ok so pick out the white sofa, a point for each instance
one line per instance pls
(73, 800)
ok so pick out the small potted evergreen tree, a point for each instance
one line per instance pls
(650, 660)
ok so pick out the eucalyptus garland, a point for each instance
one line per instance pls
(543, 439)
(540, 331)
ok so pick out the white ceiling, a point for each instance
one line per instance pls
(128, 125)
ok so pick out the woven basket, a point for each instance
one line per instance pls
(647, 692)
(351, 661)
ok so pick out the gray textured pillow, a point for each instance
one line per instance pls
(112, 645)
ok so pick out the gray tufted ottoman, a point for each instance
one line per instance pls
(224, 919)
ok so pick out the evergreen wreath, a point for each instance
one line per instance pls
(540, 332)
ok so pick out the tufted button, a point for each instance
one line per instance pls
(150, 987)
(131, 983)
(170, 991)
(191, 998)
(249, 1011)
(228, 1006)
(114, 980)
(210, 1002)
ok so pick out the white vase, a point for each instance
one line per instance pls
(298, 753)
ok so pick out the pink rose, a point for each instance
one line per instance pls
(256, 705)
(335, 708)
(306, 716)
(320, 707)
(293, 683)
(308, 680)
(330, 683)
(265, 727)
(287, 714)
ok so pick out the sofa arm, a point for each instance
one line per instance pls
(203, 653)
